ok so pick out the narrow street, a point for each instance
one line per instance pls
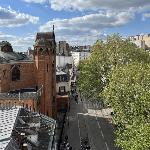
(83, 121)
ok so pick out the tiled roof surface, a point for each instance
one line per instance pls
(7, 120)
(7, 57)
(45, 35)
(19, 126)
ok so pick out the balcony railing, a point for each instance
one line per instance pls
(21, 96)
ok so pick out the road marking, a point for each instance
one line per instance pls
(98, 124)
(79, 129)
(102, 134)
(91, 143)
(101, 129)
(106, 145)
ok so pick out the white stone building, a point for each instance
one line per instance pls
(62, 61)
(142, 41)
(78, 56)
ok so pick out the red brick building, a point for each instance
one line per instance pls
(30, 82)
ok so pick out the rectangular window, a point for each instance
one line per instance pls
(58, 78)
(53, 98)
(62, 89)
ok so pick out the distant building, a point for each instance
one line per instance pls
(30, 82)
(78, 56)
(142, 41)
(62, 61)
(23, 129)
(63, 90)
(85, 48)
(65, 63)
(63, 48)
(30, 51)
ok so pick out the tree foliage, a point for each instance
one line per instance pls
(118, 72)
(128, 93)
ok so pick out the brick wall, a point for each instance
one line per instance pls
(27, 77)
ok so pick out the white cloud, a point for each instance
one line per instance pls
(97, 4)
(88, 26)
(145, 16)
(12, 18)
(35, 1)
(94, 4)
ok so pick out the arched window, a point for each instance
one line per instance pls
(15, 73)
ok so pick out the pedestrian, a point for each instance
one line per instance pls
(67, 145)
(76, 100)
(69, 106)
(66, 138)
(64, 144)
(88, 147)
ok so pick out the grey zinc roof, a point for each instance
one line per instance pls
(38, 129)
(6, 57)
(7, 120)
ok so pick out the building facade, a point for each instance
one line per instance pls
(78, 56)
(62, 90)
(142, 41)
(30, 82)
(85, 48)
(63, 48)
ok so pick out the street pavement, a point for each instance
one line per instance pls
(73, 123)
(85, 121)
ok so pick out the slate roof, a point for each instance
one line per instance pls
(11, 56)
(7, 120)
(20, 126)
(45, 39)
(45, 35)
(42, 43)
(21, 94)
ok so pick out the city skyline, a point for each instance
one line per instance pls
(78, 22)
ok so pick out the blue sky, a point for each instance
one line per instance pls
(79, 22)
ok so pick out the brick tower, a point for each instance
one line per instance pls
(45, 61)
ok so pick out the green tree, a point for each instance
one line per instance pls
(117, 72)
(106, 56)
(128, 93)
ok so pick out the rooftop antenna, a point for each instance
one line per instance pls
(54, 34)
(53, 28)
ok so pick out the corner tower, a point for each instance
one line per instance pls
(45, 61)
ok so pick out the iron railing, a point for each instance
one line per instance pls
(21, 96)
